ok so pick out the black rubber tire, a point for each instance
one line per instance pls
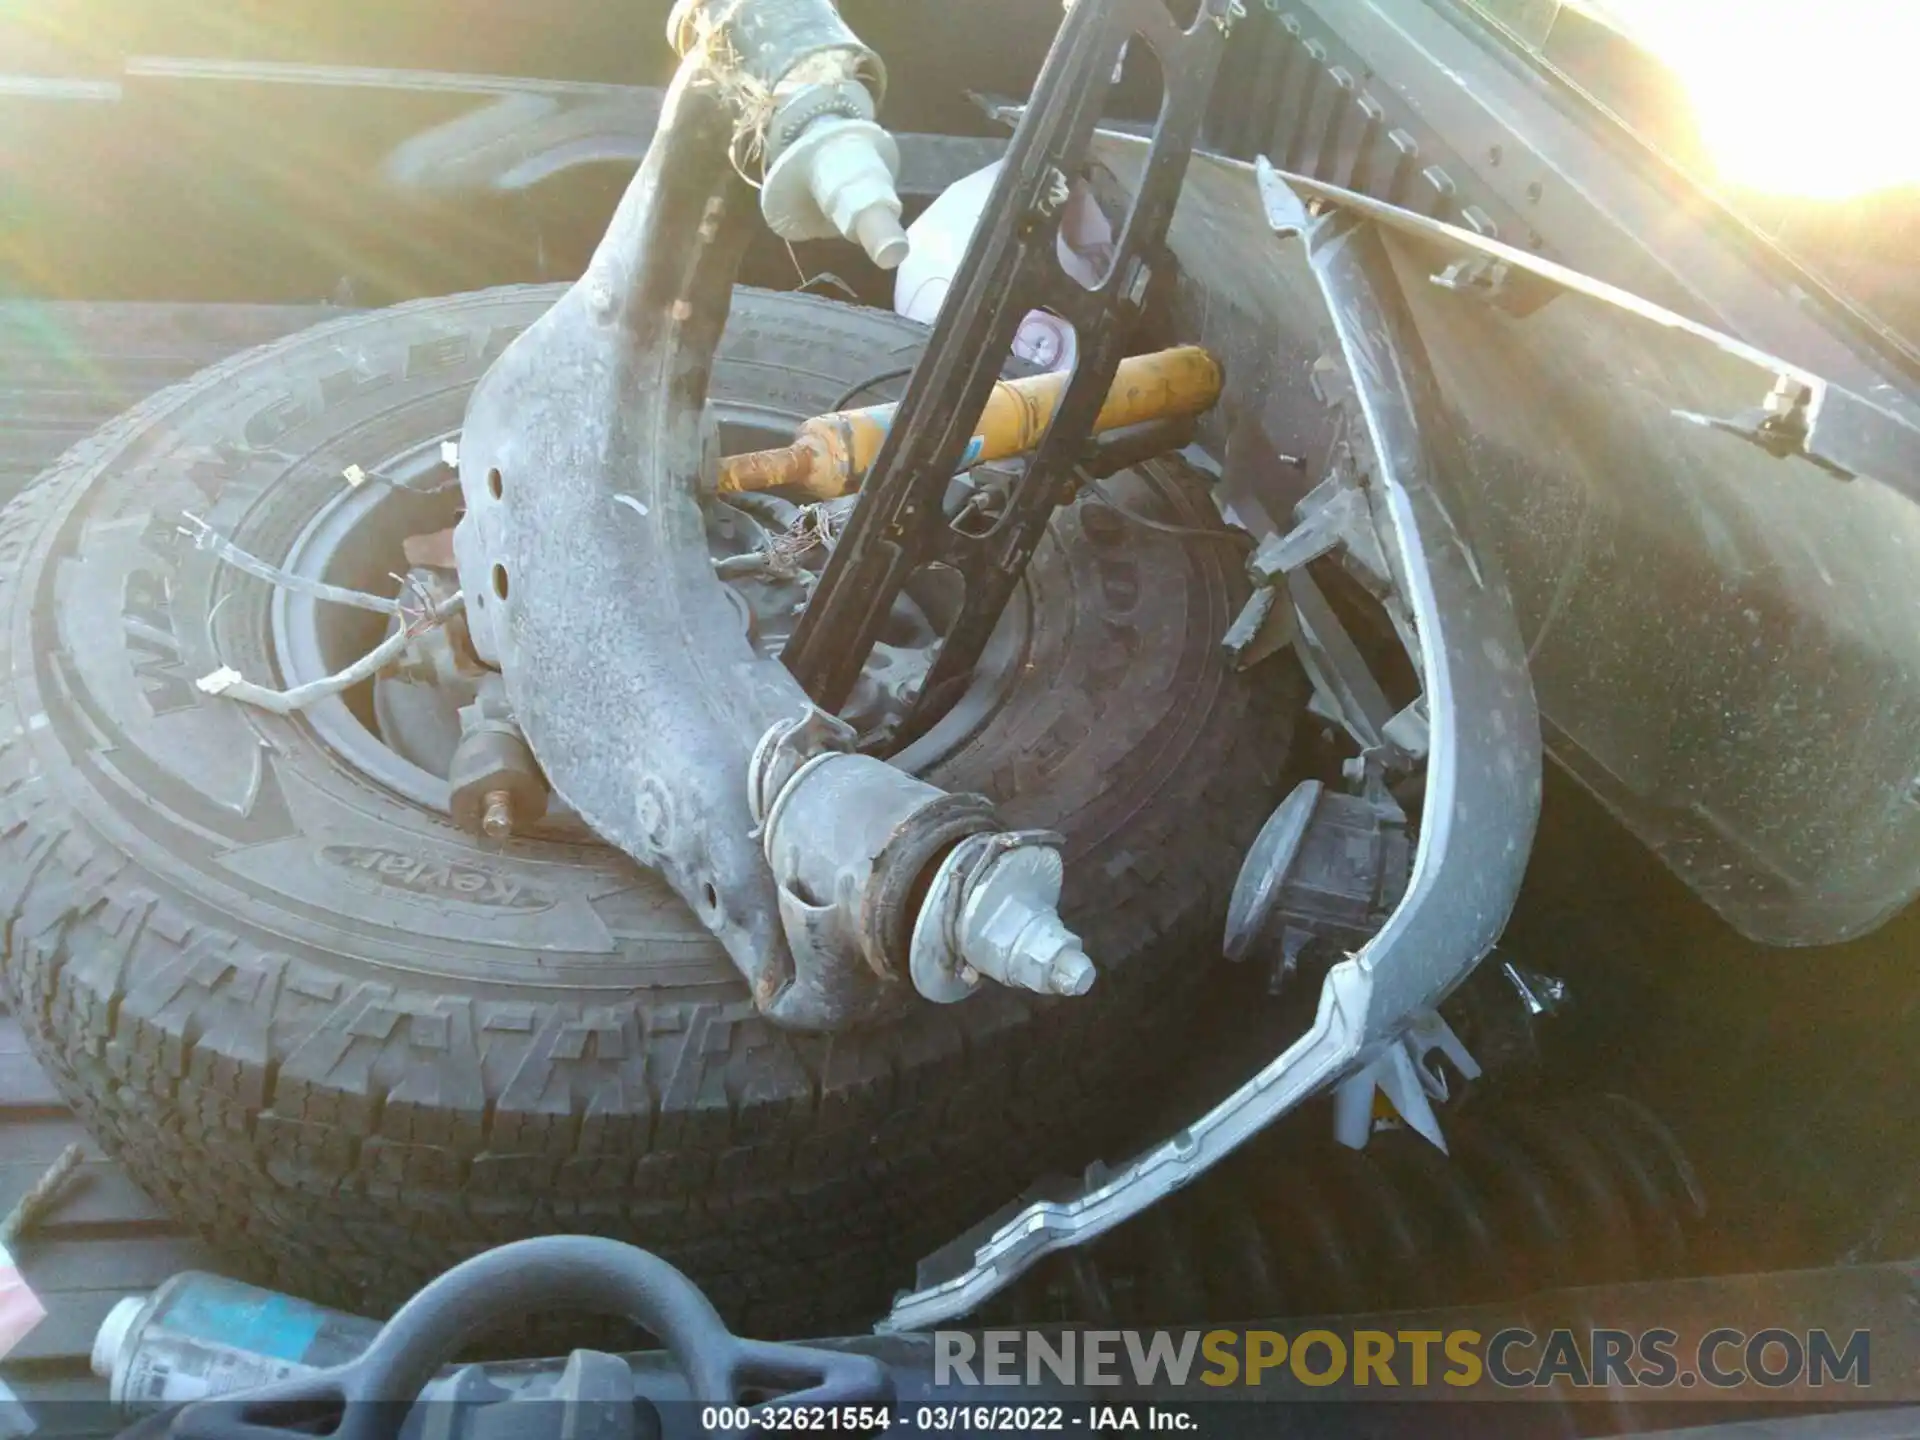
(352, 1045)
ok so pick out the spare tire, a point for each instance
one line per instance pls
(353, 1045)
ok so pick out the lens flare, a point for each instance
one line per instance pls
(1820, 100)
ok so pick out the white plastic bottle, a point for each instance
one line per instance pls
(938, 242)
(200, 1335)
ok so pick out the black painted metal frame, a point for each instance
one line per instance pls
(1012, 266)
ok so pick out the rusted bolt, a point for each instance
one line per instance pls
(497, 821)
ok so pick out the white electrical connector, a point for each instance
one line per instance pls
(837, 178)
(833, 171)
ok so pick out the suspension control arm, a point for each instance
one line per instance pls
(585, 466)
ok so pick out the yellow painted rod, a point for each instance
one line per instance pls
(831, 454)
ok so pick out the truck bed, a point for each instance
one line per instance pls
(65, 369)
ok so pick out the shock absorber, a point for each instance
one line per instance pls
(1530, 1198)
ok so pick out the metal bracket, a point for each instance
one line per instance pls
(1844, 433)
(1012, 266)
(1334, 664)
(1497, 283)
(1779, 426)
(1336, 514)
(1482, 800)
(1401, 1072)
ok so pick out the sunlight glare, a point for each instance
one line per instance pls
(1821, 100)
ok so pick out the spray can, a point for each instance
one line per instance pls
(200, 1335)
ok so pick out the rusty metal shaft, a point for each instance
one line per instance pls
(832, 453)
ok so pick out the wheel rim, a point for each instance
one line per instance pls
(354, 539)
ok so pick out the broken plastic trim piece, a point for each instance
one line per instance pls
(1401, 1073)
(1483, 799)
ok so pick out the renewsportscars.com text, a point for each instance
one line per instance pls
(1458, 1360)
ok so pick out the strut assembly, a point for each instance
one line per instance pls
(839, 885)
(833, 454)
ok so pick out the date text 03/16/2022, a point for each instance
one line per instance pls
(949, 1419)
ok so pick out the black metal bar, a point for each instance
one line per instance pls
(1012, 266)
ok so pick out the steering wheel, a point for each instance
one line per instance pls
(369, 1397)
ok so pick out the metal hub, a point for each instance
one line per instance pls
(402, 731)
